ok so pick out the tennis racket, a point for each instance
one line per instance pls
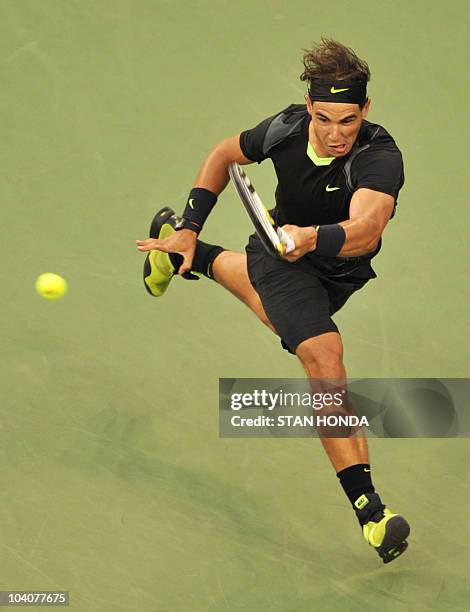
(276, 241)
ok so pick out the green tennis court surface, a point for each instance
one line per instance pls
(116, 486)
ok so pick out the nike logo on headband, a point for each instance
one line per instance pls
(333, 90)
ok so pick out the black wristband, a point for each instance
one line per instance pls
(185, 224)
(330, 239)
(200, 203)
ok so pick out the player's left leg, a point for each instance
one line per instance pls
(299, 302)
(322, 359)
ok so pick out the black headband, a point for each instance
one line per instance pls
(354, 92)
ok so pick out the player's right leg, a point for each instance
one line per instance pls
(158, 266)
(230, 271)
(227, 268)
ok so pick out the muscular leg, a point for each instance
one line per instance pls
(322, 358)
(229, 270)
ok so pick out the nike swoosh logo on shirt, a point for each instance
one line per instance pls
(328, 188)
(334, 90)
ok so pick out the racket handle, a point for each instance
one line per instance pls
(286, 240)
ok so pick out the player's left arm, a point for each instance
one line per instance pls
(369, 213)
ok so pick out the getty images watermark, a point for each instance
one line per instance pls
(320, 402)
(398, 408)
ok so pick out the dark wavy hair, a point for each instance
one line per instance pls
(329, 60)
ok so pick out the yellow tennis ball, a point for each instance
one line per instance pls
(51, 286)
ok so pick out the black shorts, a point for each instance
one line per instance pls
(299, 298)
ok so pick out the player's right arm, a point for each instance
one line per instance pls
(213, 176)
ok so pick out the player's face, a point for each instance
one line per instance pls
(334, 127)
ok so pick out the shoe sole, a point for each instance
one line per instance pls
(159, 219)
(394, 543)
(157, 230)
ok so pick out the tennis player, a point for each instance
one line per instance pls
(339, 176)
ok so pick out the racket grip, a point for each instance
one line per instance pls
(287, 240)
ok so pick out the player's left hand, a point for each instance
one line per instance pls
(305, 239)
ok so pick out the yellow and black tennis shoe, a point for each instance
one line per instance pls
(158, 267)
(385, 531)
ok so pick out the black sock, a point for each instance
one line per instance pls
(203, 258)
(356, 481)
(357, 484)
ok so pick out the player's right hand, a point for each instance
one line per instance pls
(182, 242)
